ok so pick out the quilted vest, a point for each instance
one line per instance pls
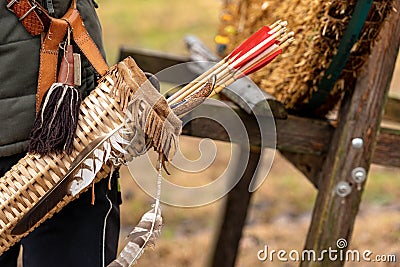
(19, 66)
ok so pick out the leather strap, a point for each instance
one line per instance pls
(86, 43)
(28, 16)
(49, 57)
(50, 49)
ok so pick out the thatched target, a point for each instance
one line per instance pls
(319, 26)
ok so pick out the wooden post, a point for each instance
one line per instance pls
(361, 112)
(234, 217)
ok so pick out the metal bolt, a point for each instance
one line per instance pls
(359, 175)
(357, 143)
(343, 189)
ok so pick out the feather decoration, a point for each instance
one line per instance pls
(90, 167)
(146, 232)
(81, 173)
(142, 236)
(138, 145)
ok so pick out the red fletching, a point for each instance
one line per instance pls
(250, 42)
(238, 65)
(260, 64)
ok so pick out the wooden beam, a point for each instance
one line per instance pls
(296, 135)
(392, 110)
(388, 147)
(387, 153)
(308, 164)
(303, 135)
(361, 113)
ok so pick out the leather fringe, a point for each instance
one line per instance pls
(145, 107)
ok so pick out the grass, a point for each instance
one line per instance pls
(281, 209)
(155, 24)
(381, 185)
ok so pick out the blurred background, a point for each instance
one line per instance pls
(281, 209)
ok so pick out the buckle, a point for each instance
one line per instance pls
(10, 4)
(13, 2)
(29, 11)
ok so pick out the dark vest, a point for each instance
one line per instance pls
(19, 66)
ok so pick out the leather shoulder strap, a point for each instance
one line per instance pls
(86, 43)
(50, 49)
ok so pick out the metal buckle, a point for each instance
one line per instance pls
(10, 4)
(29, 11)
